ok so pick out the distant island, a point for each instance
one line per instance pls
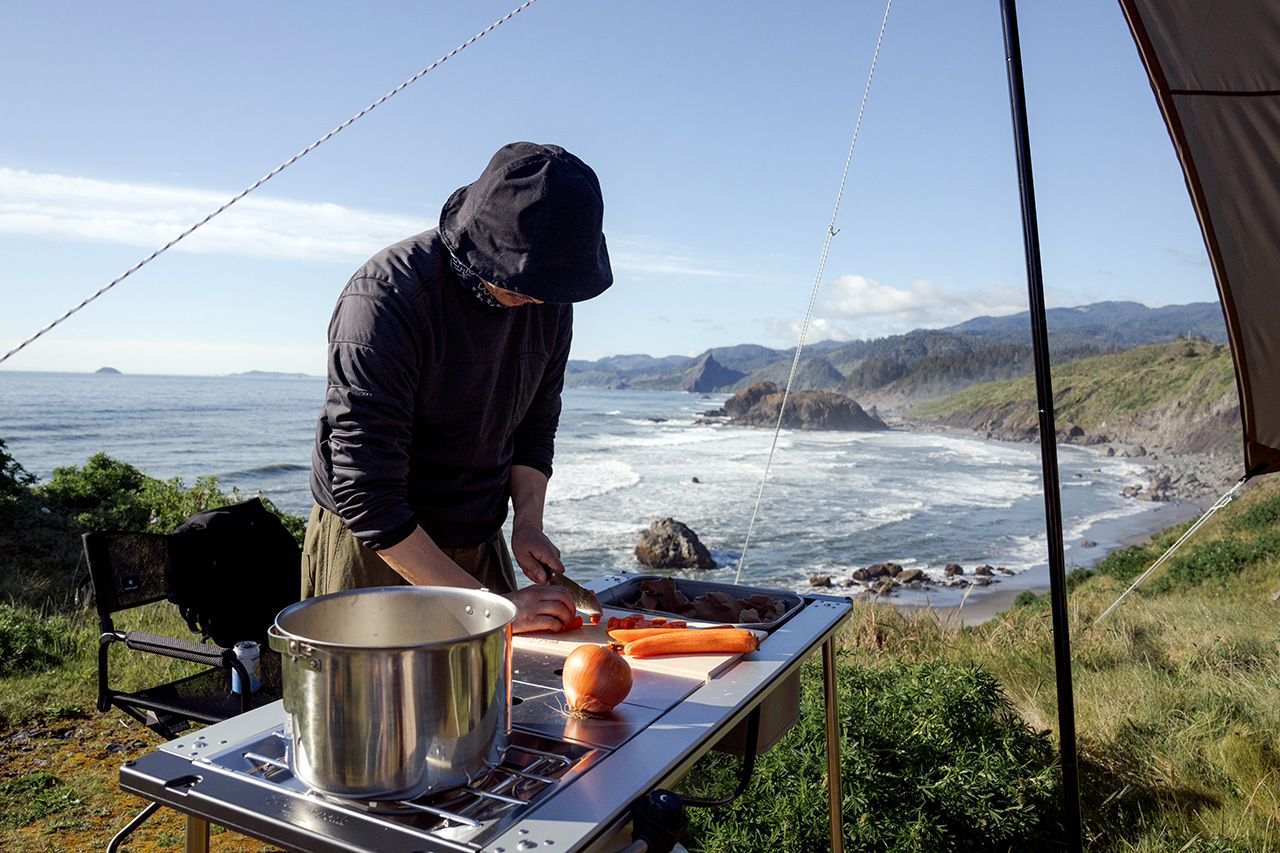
(271, 374)
(108, 370)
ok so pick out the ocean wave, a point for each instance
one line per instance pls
(578, 479)
(270, 469)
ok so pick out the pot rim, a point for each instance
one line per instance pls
(473, 596)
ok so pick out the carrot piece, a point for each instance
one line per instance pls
(693, 642)
(573, 624)
(677, 623)
(658, 621)
(626, 635)
(595, 618)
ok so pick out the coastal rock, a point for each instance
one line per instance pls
(821, 581)
(879, 570)
(760, 404)
(983, 571)
(1070, 432)
(952, 570)
(911, 576)
(669, 544)
(1088, 543)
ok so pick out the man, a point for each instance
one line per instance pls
(446, 362)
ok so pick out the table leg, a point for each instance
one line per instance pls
(833, 745)
(197, 835)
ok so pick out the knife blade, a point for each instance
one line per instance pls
(583, 599)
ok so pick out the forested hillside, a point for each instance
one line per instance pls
(897, 372)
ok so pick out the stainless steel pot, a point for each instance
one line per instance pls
(392, 692)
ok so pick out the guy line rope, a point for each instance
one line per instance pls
(277, 170)
(813, 296)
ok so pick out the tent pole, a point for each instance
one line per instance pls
(1048, 437)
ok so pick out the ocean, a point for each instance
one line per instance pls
(832, 501)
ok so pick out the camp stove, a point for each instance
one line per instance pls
(565, 784)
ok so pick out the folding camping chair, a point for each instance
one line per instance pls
(129, 570)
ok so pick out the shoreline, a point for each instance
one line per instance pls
(1187, 485)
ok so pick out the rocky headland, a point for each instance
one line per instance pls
(760, 404)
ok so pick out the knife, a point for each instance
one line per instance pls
(583, 599)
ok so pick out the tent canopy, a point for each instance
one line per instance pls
(1215, 69)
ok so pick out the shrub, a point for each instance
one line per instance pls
(932, 758)
(27, 644)
(14, 485)
(1027, 598)
(106, 494)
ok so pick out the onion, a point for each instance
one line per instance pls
(596, 678)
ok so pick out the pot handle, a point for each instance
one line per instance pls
(276, 640)
(295, 649)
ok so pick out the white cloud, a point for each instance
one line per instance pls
(642, 255)
(853, 307)
(149, 216)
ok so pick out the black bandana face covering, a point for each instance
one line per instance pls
(473, 282)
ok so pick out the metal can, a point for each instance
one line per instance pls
(249, 656)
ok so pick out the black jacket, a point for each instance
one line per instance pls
(432, 397)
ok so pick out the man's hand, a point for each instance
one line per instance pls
(541, 608)
(536, 554)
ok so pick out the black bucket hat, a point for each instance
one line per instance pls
(531, 223)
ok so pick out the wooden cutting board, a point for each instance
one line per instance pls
(700, 667)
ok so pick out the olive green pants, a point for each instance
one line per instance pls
(334, 560)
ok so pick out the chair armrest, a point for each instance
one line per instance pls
(176, 648)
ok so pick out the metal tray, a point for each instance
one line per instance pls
(629, 590)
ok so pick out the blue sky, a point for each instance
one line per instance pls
(719, 132)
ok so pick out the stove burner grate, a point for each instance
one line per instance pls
(516, 782)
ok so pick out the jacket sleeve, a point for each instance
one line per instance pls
(374, 348)
(535, 435)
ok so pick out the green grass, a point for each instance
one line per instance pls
(35, 797)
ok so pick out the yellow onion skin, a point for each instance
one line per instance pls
(596, 679)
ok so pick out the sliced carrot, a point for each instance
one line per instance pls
(677, 623)
(573, 624)
(658, 621)
(595, 618)
(693, 642)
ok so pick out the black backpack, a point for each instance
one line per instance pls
(230, 570)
